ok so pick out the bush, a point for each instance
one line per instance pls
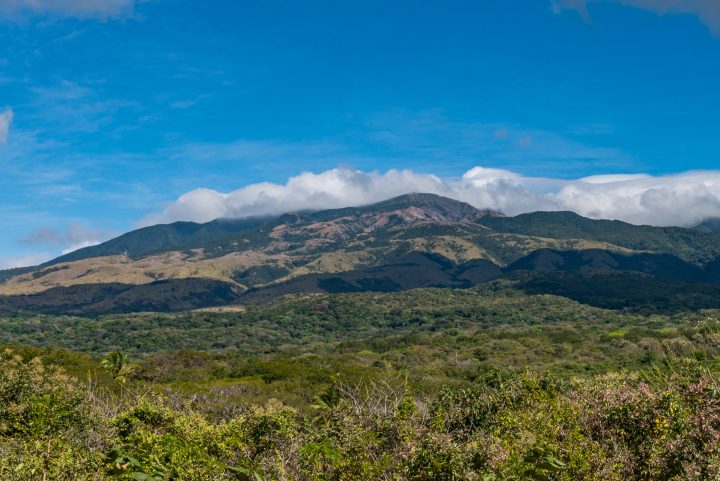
(50, 427)
(660, 424)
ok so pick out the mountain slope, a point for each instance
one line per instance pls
(411, 271)
(426, 270)
(162, 238)
(95, 299)
(688, 244)
(601, 278)
(662, 266)
(255, 252)
(180, 236)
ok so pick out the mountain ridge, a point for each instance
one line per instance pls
(393, 244)
(186, 234)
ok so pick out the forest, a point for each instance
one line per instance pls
(488, 383)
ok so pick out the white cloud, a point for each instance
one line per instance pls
(332, 188)
(79, 245)
(707, 10)
(682, 199)
(6, 118)
(609, 178)
(24, 260)
(100, 9)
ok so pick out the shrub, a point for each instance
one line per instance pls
(50, 427)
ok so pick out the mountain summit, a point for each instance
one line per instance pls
(430, 207)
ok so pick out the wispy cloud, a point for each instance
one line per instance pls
(75, 237)
(431, 139)
(6, 118)
(708, 11)
(75, 234)
(183, 104)
(683, 199)
(98, 9)
(69, 107)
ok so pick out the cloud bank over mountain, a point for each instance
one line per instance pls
(683, 199)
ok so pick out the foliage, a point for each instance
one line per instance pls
(304, 322)
(116, 363)
(50, 428)
(659, 423)
(424, 385)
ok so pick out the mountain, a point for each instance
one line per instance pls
(411, 241)
(411, 208)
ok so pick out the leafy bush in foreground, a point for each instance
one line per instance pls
(50, 428)
(658, 424)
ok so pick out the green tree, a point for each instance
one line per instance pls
(116, 363)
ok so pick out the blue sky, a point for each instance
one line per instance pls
(110, 110)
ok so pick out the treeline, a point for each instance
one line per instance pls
(433, 338)
(304, 323)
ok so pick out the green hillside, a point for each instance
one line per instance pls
(691, 245)
(164, 237)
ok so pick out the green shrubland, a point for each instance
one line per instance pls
(434, 384)
(660, 423)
